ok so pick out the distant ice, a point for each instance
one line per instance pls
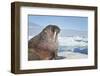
(72, 55)
(72, 41)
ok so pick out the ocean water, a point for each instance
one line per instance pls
(75, 44)
(76, 49)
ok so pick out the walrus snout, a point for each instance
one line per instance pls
(56, 28)
(52, 31)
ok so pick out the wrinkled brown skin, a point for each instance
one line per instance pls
(44, 46)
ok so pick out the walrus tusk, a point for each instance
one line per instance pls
(54, 35)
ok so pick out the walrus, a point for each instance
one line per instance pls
(44, 46)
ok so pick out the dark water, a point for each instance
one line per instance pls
(83, 50)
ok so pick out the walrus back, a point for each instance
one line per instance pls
(33, 42)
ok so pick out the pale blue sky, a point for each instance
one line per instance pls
(64, 22)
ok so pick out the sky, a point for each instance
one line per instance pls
(64, 22)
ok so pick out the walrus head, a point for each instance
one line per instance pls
(51, 32)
